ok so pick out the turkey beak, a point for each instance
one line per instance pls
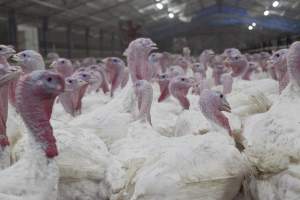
(52, 65)
(226, 61)
(105, 60)
(225, 106)
(82, 83)
(15, 58)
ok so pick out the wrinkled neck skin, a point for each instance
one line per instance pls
(3, 60)
(180, 94)
(238, 69)
(145, 99)
(215, 116)
(281, 69)
(3, 116)
(117, 79)
(138, 65)
(283, 82)
(247, 73)
(227, 82)
(36, 115)
(66, 100)
(164, 90)
(217, 76)
(199, 76)
(77, 98)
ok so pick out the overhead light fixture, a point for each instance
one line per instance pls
(253, 24)
(275, 4)
(266, 13)
(250, 28)
(160, 6)
(157, 0)
(171, 15)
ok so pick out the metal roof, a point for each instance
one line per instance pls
(192, 17)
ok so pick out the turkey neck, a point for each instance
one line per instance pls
(3, 60)
(239, 70)
(36, 113)
(3, 115)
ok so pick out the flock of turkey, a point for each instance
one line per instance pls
(167, 127)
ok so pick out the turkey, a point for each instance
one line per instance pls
(29, 61)
(36, 175)
(278, 63)
(115, 68)
(183, 167)
(272, 139)
(7, 74)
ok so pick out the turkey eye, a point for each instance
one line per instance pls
(24, 55)
(70, 81)
(84, 75)
(163, 76)
(236, 58)
(49, 79)
(1, 49)
(63, 62)
(277, 55)
(182, 79)
(221, 96)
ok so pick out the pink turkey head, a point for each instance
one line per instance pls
(231, 52)
(5, 52)
(200, 86)
(218, 69)
(63, 66)
(182, 62)
(263, 61)
(211, 104)
(252, 66)
(74, 83)
(237, 63)
(144, 93)
(206, 57)
(175, 70)
(155, 63)
(35, 94)
(200, 69)
(100, 68)
(137, 55)
(163, 82)
(278, 62)
(89, 61)
(9, 73)
(115, 68)
(179, 87)
(29, 60)
(293, 63)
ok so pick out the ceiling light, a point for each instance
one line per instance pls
(253, 24)
(275, 4)
(157, 0)
(159, 6)
(250, 28)
(171, 15)
(266, 13)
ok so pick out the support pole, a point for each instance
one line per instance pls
(44, 41)
(12, 29)
(87, 35)
(69, 41)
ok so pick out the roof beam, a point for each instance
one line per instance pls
(102, 10)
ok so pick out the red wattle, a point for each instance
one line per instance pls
(4, 142)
